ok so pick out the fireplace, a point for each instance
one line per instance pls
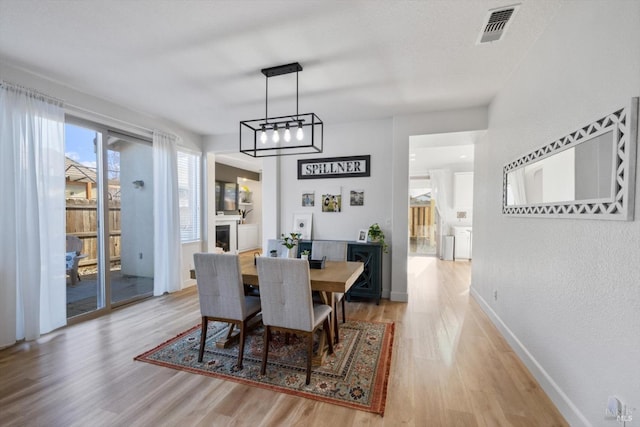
(223, 235)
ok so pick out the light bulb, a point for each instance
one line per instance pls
(263, 135)
(287, 133)
(276, 134)
(299, 132)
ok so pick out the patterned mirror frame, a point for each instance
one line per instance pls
(624, 124)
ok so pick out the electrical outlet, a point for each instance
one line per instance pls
(140, 255)
(495, 295)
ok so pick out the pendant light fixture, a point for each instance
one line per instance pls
(254, 134)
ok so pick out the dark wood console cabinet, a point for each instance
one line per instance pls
(369, 284)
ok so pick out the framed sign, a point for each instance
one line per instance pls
(335, 167)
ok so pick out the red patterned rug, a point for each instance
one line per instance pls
(355, 376)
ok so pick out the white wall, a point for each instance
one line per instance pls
(568, 290)
(352, 139)
(136, 210)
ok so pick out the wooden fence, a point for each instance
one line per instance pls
(82, 221)
(419, 221)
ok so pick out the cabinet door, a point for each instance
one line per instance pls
(369, 284)
(247, 237)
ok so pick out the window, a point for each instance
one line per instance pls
(189, 195)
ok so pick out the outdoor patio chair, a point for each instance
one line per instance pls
(287, 306)
(73, 257)
(221, 295)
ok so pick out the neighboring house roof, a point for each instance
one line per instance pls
(421, 199)
(77, 172)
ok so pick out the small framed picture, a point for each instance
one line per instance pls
(362, 235)
(357, 197)
(302, 224)
(308, 199)
(331, 202)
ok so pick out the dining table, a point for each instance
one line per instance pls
(335, 277)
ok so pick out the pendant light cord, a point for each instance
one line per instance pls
(266, 99)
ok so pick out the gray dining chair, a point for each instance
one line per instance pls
(287, 306)
(276, 244)
(334, 251)
(221, 295)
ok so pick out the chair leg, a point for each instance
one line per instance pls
(203, 337)
(344, 320)
(230, 332)
(326, 325)
(310, 356)
(243, 330)
(265, 350)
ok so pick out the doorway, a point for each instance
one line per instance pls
(440, 192)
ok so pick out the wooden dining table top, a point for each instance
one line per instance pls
(336, 276)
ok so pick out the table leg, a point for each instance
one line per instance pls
(327, 298)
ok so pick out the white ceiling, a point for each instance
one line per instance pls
(454, 151)
(198, 63)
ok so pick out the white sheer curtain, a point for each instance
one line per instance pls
(441, 186)
(32, 268)
(166, 215)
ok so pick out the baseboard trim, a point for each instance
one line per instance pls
(399, 296)
(559, 398)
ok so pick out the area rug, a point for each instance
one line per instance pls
(355, 376)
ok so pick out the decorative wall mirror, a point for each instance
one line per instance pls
(588, 174)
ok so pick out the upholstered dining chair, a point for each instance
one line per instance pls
(334, 251)
(281, 250)
(221, 295)
(287, 306)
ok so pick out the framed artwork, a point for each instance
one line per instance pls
(302, 224)
(357, 197)
(308, 199)
(331, 203)
(362, 235)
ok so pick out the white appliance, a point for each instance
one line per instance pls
(448, 243)
(463, 242)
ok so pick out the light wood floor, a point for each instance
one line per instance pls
(450, 368)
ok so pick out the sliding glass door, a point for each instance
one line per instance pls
(130, 217)
(109, 181)
(85, 276)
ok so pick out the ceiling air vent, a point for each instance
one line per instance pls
(496, 23)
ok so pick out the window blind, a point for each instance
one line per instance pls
(189, 196)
